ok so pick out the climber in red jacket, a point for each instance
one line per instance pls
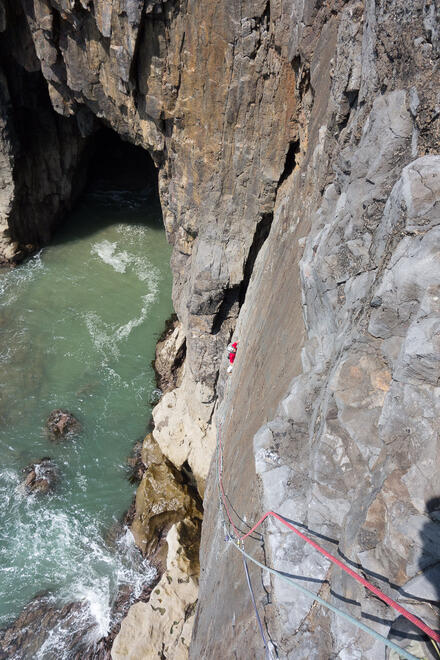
(232, 351)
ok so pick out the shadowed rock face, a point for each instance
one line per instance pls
(299, 177)
(42, 154)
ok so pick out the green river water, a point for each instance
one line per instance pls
(78, 327)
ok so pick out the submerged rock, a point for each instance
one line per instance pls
(62, 424)
(42, 620)
(41, 477)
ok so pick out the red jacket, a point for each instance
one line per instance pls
(232, 355)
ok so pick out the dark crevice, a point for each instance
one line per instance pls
(262, 24)
(290, 161)
(234, 297)
(352, 98)
(230, 299)
(265, 18)
(261, 233)
(113, 169)
(302, 77)
(135, 66)
(296, 64)
(117, 164)
(189, 479)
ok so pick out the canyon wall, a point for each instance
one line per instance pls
(297, 151)
(42, 154)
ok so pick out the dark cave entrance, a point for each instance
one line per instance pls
(51, 160)
(119, 165)
(120, 185)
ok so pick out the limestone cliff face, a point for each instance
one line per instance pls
(334, 393)
(297, 145)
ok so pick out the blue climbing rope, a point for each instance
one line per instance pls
(260, 625)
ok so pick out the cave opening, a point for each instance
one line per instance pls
(116, 164)
(120, 184)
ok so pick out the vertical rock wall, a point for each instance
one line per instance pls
(330, 415)
(297, 146)
(42, 154)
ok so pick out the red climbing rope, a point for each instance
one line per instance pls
(386, 599)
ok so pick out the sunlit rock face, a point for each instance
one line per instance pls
(297, 146)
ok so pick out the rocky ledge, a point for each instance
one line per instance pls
(166, 523)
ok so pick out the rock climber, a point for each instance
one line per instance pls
(232, 352)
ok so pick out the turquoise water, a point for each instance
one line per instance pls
(78, 327)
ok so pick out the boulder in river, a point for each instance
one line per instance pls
(41, 477)
(62, 424)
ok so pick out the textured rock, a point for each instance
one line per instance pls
(170, 355)
(42, 155)
(41, 477)
(61, 424)
(163, 626)
(162, 499)
(340, 397)
(183, 427)
(28, 634)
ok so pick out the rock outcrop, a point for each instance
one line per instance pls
(166, 524)
(41, 477)
(162, 500)
(170, 356)
(299, 178)
(183, 426)
(61, 424)
(163, 626)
